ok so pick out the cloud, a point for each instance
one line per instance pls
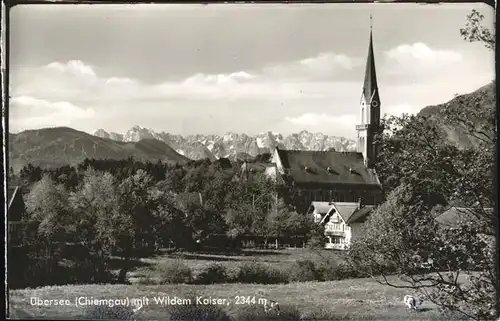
(329, 60)
(30, 112)
(320, 67)
(218, 79)
(322, 118)
(418, 59)
(76, 67)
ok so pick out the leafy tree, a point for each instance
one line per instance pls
(136, 207)
(49, 218)
(30, 174)
(98, 221)
(282, 223)
(474, 31)
(168, 223)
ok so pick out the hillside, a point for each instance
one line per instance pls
(478, 102)
(234, 145)
(54, 147)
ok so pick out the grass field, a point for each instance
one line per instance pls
(198, 261)
(360, 299)
(355, 299)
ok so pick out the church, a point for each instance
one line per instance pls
(339, 188)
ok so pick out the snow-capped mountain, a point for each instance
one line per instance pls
(232, 144)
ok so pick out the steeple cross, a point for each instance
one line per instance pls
(371, 22)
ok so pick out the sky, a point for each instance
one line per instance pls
(246, 68)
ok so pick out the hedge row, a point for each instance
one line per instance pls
(178, 272)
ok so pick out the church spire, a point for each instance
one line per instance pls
(370, 87)
(370, 109)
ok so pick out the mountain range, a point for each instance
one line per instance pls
(233, 145)
(55, 147)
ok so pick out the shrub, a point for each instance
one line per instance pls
(257, 313)
(215, 273)
(259, 273)
(147, 280)
(175, 272)
(104, 312)
(336, 271)
(197, 312)
(303, 271)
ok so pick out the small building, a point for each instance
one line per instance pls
(343, 221)
(15, 212)
(249, 170)
(454, 216)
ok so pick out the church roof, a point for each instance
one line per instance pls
(326, 167)
(370, 87)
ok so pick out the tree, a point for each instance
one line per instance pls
(136, 207)
(49, 220)
(474, 31)
(168, 223)
(283, 223)
(97, 219)
(30, 174)
(401, 236)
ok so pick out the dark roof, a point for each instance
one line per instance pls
(370, 87)
(11, 192)
(327, 167)
(455, 215)
(360, 214)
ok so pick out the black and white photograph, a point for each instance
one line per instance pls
(251, 161)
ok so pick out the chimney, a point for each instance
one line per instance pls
(360, 202)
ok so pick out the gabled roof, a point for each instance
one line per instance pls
(346, 209)
(327, 167)
(349, 212)
(11, 193)
(360, 214)
(455, 215)
(321, 207)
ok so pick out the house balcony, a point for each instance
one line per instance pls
(332, 232)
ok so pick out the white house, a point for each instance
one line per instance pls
(343, 221)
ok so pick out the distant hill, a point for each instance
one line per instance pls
(483, 97)
(55, 147)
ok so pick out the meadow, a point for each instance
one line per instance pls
(352, 299)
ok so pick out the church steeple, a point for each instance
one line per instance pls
(370, 108)
(370, 87)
